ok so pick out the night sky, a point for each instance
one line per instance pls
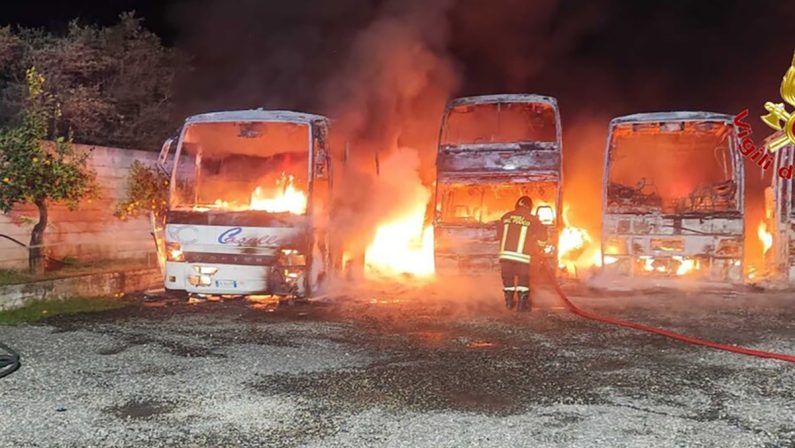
(602, 56)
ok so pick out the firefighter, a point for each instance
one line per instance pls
(519, 234)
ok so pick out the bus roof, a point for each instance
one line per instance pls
(256, 115)
(504, 98)
(671, 116)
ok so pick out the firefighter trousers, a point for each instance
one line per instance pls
(515, 270)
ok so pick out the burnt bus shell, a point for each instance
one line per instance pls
(715, 239)
(310, 240)
(465, 249)
(780, 259)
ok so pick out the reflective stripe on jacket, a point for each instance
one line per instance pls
(519, 232)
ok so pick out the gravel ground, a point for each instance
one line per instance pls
(395, 371)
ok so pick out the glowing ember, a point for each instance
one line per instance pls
(682, 265)
(686, 266)
(480, 344)
(648, 264)
(765, 237)
(403, 246)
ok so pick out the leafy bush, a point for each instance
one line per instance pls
(147, 191)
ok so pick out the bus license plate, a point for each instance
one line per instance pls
(226, 284)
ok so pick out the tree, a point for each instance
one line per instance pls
(115, 84)
(36, 171)
(147, 192)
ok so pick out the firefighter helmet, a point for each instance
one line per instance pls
(525, 202)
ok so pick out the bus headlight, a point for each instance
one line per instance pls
(545, 214)
(174, 251)
(205, 270)
(200, 280)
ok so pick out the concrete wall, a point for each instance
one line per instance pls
(91, 285)
(91, 232)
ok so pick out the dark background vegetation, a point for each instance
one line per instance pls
(600, 58)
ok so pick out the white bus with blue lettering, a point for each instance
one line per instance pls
(248, 204)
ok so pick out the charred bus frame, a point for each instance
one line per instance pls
(244, 252)
(521, 163)
(704, 236)
(780, 207)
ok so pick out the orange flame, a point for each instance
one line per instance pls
(402, 246)
(284, 198)
(571, 239)
(686, 266)
(765, 237)
(573, 243)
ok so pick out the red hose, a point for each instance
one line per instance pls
(669, 334)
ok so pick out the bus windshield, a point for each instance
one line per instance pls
(671, 167)
(234, 166)
(477, 204)
(500, 123)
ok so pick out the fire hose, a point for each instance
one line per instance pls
(9, 361)
(660, 331)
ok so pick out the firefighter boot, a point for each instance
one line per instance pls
(524, 301)
(508, 299)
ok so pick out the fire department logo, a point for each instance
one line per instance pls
(778, 117)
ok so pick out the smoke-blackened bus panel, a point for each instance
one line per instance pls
(780, 211)
(501, 159)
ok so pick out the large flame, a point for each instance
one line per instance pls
(571, 240)
(765, 237)
(573, 243)
(402, 246)
(284, 198)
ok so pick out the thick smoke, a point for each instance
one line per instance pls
(383, 69)
(380, 70)
(388, 97)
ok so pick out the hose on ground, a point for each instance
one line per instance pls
(659, 331)
(9, 361)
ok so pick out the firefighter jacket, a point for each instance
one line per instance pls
(519, 233)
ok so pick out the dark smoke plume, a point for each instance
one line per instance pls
(383, 69)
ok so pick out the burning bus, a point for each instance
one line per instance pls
(492, 150)
(673, 197)
(247, 210)
(779, 235)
